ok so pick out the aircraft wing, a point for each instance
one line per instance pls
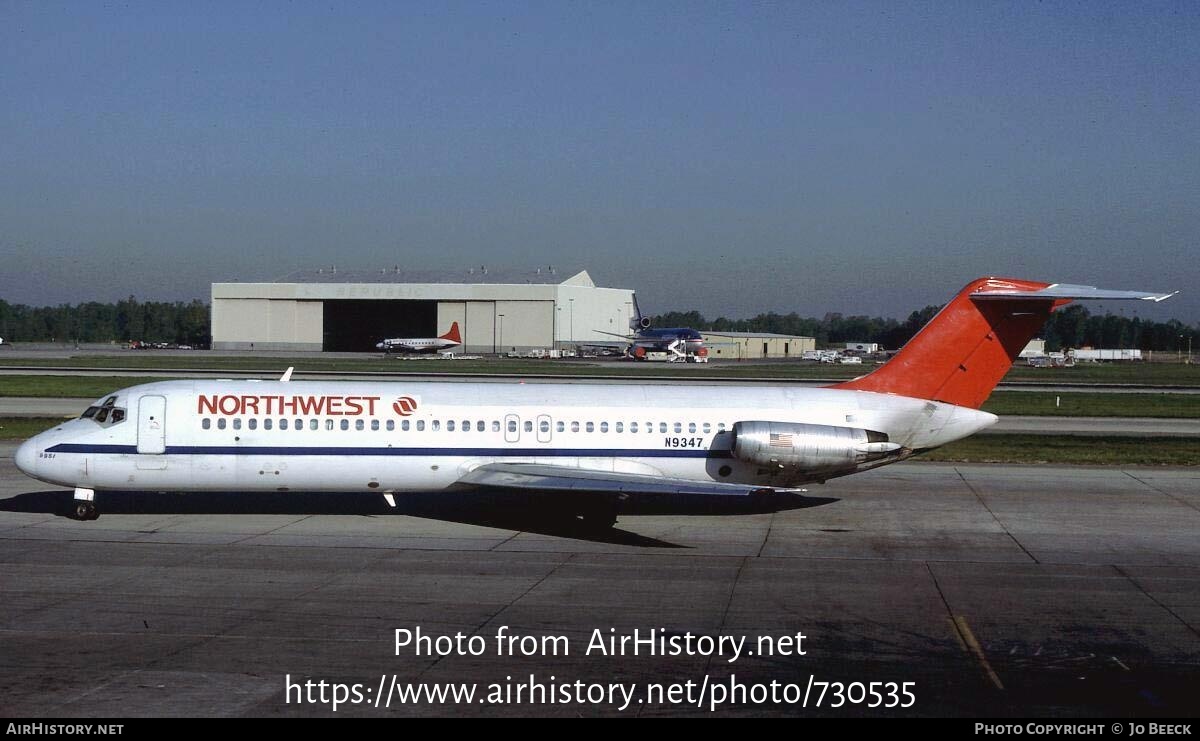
(540, 477)
(1068, 291)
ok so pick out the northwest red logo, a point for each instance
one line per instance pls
(404, 405)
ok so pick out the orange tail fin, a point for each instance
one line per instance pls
(966, 349)
(453, 334)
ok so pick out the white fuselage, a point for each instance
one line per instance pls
(424, 344)
(399, 436)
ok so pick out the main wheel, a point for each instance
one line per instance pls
(598, 520)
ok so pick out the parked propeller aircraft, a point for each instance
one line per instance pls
(422, 344)
(594, 445)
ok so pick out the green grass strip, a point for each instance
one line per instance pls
(1091, 451)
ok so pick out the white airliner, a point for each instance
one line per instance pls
(598, 445)
(422, 344)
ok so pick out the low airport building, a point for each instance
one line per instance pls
(756, 345)
(496, 310)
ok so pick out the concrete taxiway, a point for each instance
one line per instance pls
(995, 590)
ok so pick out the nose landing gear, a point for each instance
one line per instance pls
(85, 505)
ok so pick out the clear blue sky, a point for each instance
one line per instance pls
(729, 157)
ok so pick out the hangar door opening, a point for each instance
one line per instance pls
(353, 325)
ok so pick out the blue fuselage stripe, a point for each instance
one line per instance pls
(426, 452)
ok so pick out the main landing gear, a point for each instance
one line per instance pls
(597, 521)
(598, 518)
(85, 505)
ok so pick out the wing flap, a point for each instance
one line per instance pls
(541, 477)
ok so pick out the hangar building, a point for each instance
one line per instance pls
(496, 311)
(751, 345)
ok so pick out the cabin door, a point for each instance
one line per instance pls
(151, 430)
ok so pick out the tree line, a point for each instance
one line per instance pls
(188, 323)
(1071, 327)
(129, 319)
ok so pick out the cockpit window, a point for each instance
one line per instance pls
(107, 413)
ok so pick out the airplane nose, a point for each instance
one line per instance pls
(26, 457)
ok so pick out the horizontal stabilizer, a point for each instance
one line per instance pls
(999, 289)
(563, 478)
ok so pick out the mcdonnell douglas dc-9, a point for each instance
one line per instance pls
(596, 445)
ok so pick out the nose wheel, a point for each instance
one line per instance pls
(85, 505)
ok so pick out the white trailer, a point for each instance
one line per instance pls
(1106, 355)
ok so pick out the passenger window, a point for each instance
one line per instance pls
(466, 425)
(391, 425)
(633, 426)
(299, 425)
(359, 425)
(450, 425)
(528, 426)
(604, 427)
(220, 423)
(420, 425)
(574, 427)
(512, 425)
(329, 424)
(252, 423)
(374, 425)
(404, 425)
(678, 427)
(437, 425)
(662, 426)
(590, 427)
(206, 423)
(544, 426)
(691, 426)
(620, 427)
(707, 427)
(282, 424)
(720, 427)
(560, 426)
(345, 424)
(237, 423)
(480, 426)
(495, 425)
(267, 424)
(314, 424)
